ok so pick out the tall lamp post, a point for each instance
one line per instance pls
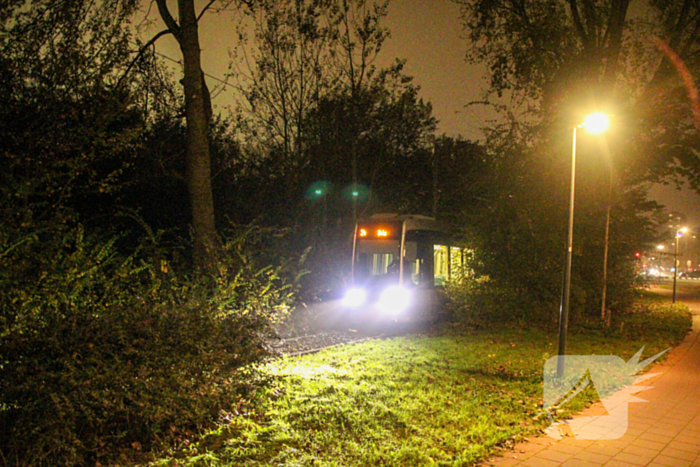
(594, 123)
(679, 234)
(604, 315)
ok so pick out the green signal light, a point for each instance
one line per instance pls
(318, 190)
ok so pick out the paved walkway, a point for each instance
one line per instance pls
(665, 431)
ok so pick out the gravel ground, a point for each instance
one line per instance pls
(314, 342)
(318, 326)
(315, 338)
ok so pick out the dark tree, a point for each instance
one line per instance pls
(198, 115)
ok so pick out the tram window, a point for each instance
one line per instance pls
(374, 256)
(411, 263)
(441, 266)
(411, 272)
(373, 264)
(380, 262)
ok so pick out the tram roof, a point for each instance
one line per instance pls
(413, 221)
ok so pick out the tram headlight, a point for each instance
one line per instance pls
(394, 299)
(354, 298)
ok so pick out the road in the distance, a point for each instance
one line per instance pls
(687, 292)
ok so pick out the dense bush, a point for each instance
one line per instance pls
(652, 312)
(480, 302)
(106, 355)
(477, 300)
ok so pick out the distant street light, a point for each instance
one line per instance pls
(594, 123)
(679, 234)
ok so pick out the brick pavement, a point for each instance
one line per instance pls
(664, 432)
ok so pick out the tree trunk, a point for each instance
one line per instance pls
(198, 156)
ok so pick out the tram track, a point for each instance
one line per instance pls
(312, 343)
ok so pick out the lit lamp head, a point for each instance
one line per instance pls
(596, 123)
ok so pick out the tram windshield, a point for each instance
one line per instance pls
(381, 258)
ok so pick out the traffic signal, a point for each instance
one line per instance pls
(318, 189)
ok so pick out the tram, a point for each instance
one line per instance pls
(400, 265)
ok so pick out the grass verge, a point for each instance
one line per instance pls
(448, 399)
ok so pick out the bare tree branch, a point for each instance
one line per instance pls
(140, 54)
(168, 19)
(204, 10)
(578, 24)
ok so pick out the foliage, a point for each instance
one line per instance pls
(651, 312)
(389, 128)
(447, 398)
(503, 37)
(544, 53)
(73, 45)
(475, 300)
(459, 174)
(71, 125)
(108, 344)
(301, 52)
(72, 152)
(106, 356)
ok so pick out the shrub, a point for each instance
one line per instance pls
(476, 301)
(648, 314)
(105, 356)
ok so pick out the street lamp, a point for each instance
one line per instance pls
(679, 234)
(605, 315)
(594, 123)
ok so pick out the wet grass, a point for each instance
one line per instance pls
(449, 399)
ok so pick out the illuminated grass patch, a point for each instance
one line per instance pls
(447, 400)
